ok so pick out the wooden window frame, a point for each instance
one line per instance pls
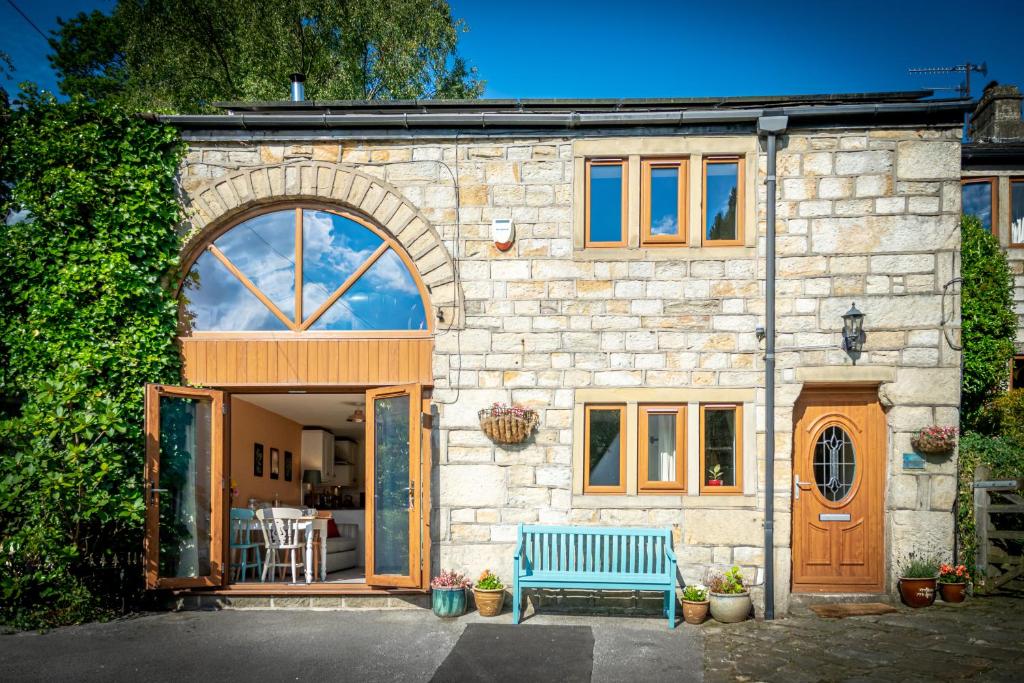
(623, 451)
(645, 485)
(737, 488)
(1009, 213)
(1016, 357)
(623, 221)
(739, 160)
(647, 239)
(993, 185)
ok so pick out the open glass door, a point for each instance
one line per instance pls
(394, 489)
(184, 487)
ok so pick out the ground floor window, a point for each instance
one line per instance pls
(1017, 372)
(720, 437)
(662, 448)
(605, 461)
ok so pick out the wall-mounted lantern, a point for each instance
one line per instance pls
(853, 332)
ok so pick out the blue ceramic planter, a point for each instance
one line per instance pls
(448, 602)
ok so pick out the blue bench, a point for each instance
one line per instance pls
(594, 558)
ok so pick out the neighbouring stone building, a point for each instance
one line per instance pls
(993, 188)
(627, 312)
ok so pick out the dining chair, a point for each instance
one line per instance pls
(282, 532)
(242, 542)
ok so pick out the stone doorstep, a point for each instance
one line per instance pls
(299, 602)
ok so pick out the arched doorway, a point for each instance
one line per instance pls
(306, 325)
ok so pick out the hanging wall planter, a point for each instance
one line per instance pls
(935, 440)
(508, 424)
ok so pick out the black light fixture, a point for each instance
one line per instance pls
(853, 332)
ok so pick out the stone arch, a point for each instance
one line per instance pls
(218, 202)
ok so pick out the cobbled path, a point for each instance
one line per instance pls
(981, 640)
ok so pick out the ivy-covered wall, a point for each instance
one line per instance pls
(87, 316)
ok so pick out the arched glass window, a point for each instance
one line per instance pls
(301, 269)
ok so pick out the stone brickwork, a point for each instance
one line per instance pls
(864, 215)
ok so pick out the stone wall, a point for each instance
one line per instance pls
(864, 215)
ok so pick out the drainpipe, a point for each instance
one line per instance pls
(770, 127)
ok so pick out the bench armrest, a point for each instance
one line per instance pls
(671, 553)
(519, 549)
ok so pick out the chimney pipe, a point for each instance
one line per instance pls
(298, 87)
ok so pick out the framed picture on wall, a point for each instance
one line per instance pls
(257, 460)
(289, 465)
(275, 463)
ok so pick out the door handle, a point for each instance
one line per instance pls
(798, 485)
(153, 490)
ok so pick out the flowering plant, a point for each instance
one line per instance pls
(695, 593)
(949, 573)
(935, 439)
(504, 423)
(450, 579)
(730, 583)
(521, 412)
(489, 581)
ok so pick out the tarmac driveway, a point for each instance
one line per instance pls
(399, 645)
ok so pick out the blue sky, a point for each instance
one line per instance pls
(604, 48)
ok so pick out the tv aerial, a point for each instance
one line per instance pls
(966, 69)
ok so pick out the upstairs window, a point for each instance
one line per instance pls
(606, 203)
(1017, 212)
(978, 198)
(723, 201)
(302, 269)
(663, 202)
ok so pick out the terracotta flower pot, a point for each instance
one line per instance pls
(953, 592)
(489, 602)
(695, 612)
(730, 608)
(918, 592)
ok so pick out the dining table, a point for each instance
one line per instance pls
(314, 528)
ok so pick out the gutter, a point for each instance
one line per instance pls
(946, 109)
(770, 127)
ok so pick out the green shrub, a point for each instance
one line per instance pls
(1004, 415)
(1005, 460)
(989, 324)
(86, 319)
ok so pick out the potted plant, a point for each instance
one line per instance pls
(715, 476)
(953, 580)
(918, 576)
(489, 592)
(504, 423)
(935, 440)
(695, 604)
(448, 594)
(730, 599)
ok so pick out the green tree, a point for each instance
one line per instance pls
(183, 55)
(989, 324)
(723, 226)
(87, 317)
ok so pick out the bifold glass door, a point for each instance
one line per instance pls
(184, 487)
(394, 489)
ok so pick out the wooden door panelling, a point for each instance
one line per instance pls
(236, 362)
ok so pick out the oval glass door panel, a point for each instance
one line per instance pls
(391, 481)
(184, 494)
(835, 463)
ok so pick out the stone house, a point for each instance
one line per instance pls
(993, 188)
(602, 262)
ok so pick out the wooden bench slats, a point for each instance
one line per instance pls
(595, 558)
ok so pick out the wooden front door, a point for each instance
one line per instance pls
(839, 447)
(184, 487)
(394, 486)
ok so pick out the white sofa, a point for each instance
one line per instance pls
(342, 551)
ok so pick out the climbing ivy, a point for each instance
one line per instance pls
(87, 316)
(989, 323)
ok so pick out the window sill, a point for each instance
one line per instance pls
(664, 253)
(661, 501)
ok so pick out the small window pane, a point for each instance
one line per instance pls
(722, 190)
(661, 446)
(605, 203)
(720, 446)
(1017, 373)
(263, 249)
(215, 300)
(384, 298)
(977, 201)
(664, 201)
(835, 463)
(1017, 213)
(605, 447)
(332, 248)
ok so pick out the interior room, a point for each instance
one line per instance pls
(303, 451)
